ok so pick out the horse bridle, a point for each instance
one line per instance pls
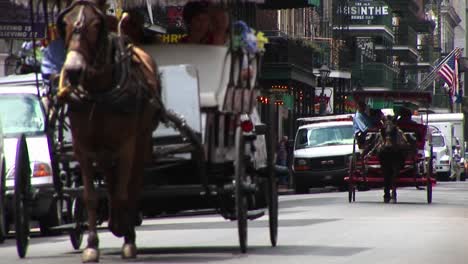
(78, 25)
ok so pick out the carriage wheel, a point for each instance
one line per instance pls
(240, 194)
(77, 217)
(351, 193)
(22, 196)
(272, 181)
(429, 173)
(351, 184)
(3, 229)
(429, 191)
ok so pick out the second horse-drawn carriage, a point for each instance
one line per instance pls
(396, 150)
(209, 150)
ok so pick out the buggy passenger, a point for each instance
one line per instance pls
(407, 124)
(361, 124)
(196, 17)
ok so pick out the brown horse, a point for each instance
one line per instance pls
(112, 91)
(392, 148)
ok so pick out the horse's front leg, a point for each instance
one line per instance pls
(395, 174)
(91, 252)
(387, 173)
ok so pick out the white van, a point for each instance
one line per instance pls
(442, 156)
(322, 150)
(451, 127)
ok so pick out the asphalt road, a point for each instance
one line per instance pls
(314, 228)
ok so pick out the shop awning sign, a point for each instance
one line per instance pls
(16, 22)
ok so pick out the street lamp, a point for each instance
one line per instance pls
(324, 73)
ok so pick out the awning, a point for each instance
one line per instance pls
(141, 3)
(144, 3)
(420, 98)
(286, 4)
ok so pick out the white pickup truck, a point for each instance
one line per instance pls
(322, 150)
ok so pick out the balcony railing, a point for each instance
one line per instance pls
(427, 53)
(405, 36)
(374, 74)
(306, 53)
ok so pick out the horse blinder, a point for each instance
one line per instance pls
(61, 25)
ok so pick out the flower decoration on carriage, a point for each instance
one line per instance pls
(251, 44)
(244, 38)
(261, 41)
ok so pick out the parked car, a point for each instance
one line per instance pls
(22, 112)
(322, 152)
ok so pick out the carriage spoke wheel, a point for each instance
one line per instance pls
(429, 173)
(351, 175)
(22, 196)
(77, 217)
(429, 191)
(3, 229)
(272, 190)
(240, 193)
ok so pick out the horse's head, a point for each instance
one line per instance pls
(82, 25)
(389, 133)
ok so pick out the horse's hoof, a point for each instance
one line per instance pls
(129, 251)
(90, 255)
(386, 199)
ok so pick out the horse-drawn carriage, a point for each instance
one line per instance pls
(393, 152)
(209, 149)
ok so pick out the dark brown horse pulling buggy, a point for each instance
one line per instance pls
(395, 152)
(161, 127)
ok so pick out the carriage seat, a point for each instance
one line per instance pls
(418, 129)
(212, 64)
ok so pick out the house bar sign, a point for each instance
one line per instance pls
(364, 9)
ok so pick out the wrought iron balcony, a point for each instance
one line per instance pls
(405, 36)
(427, 53)
(300, 52)
(374, 74)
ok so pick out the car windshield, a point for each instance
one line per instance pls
(438, 141)
(20, 113)
(324, 136)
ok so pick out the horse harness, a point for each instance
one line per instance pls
(128, 93)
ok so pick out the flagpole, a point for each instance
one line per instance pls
(424, 83)
(430, 77)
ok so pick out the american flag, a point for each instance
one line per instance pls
(449, 71)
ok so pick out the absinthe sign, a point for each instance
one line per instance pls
(364, 9)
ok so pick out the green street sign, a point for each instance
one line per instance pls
(288, 101)
(314, 2)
